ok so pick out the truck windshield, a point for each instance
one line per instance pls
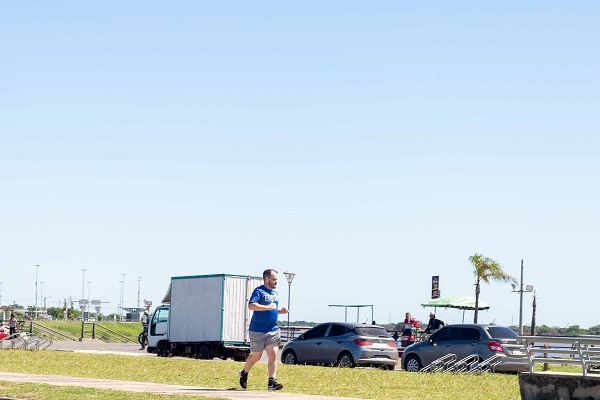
(161, 315)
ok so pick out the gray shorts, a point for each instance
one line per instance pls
(261, 340)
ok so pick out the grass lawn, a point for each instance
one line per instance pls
(359, 382)
(73, 328)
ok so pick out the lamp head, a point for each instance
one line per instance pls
(514, 286)
(289, 275)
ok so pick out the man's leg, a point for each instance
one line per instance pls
(252, 359)
(272, 360)
(272, 366)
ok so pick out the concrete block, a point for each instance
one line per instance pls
(559, 386)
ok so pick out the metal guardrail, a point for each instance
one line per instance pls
(581, 351)
(105, 334)
(49, 333)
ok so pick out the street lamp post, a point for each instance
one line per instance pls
(139, 278)
(1, 294)
(82, 291)
(528, 288)
(290, 277)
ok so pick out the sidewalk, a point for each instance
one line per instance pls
(107, 384)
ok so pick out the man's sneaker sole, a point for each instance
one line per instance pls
(277, 386)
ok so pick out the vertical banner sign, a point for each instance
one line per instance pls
(435, 287)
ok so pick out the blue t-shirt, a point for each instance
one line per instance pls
(264, 321)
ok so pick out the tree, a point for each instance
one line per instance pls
(486, 269)
(573, 330)
(55, 312)
(594, 330)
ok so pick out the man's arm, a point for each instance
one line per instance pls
(260, 307)
(272, 306)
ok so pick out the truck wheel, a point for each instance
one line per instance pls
(203, 352)
(239, 358)
(162, 350)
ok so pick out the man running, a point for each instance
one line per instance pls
(264, 331)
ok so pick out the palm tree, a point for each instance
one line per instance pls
(485, 270)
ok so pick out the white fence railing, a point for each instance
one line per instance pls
(581, 351)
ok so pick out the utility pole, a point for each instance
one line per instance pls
(1, 293)
(139, 278)
(82, 290)
(528, 288)
(36, 294)
(122, 296)
(521, 302)
(65, 309)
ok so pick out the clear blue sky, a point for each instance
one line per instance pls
(366, 146)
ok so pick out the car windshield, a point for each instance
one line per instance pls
(501, 332)
(371, 331)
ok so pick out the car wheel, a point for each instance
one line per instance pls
(412, 363)
(203, 353)
(345, 360)
(162, 350)
(289, 357)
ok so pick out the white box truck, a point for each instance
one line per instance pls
(204, 316)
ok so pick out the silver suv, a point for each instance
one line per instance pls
(464, 340)
(343, 344)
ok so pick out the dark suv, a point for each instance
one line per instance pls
(464, 340)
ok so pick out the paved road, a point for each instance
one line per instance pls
(133, 350)
(96, 346)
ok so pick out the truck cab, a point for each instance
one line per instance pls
(158, 331)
